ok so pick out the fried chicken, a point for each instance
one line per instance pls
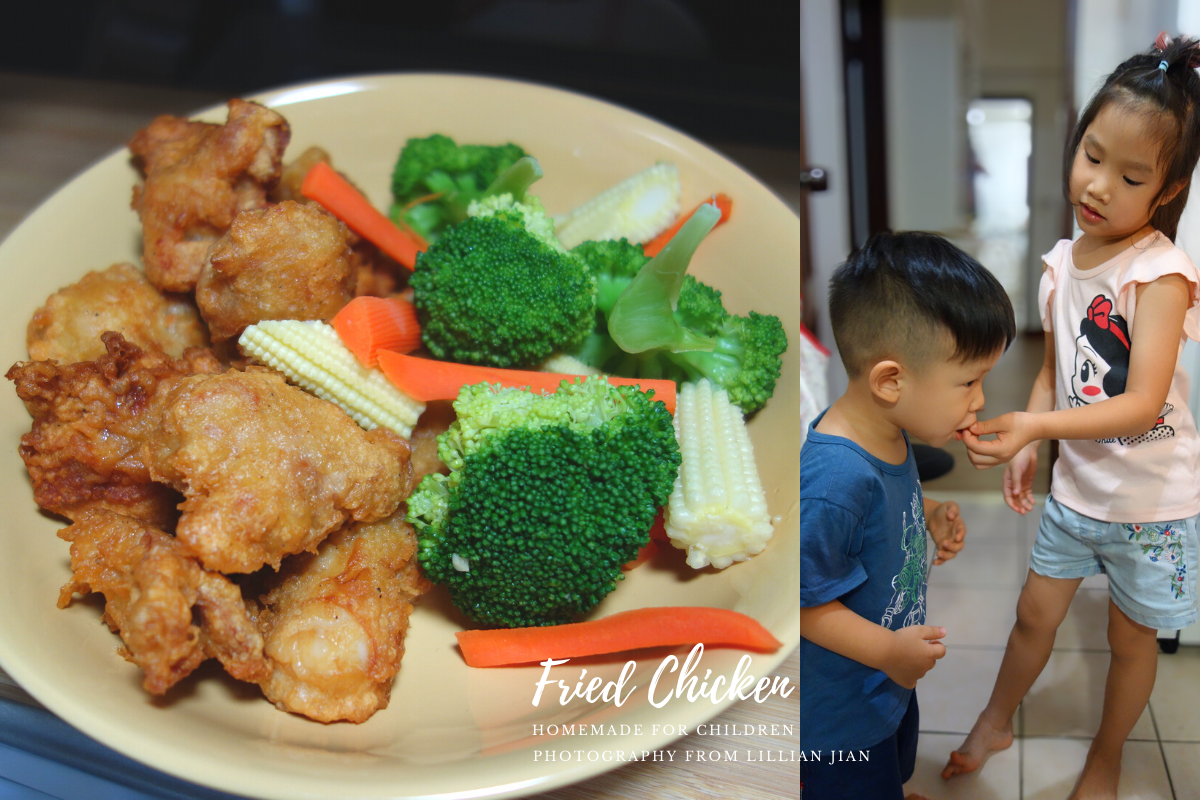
(334, 622)
(286, 261)
(89, 421)
(434, 421)
(267, 469)
(198, 176)
(68, 327)
(171, 613)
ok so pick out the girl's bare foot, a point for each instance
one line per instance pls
(1099, 778)
(985, 738)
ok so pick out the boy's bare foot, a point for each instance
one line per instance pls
(1099, 778)
(985, 738)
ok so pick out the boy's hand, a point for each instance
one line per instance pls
(1013, 431)
(914, 650)
(947, 529)
(1018, 479)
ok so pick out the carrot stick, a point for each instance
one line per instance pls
(425, 379)
(721, 201)
(644, 554)
(659, 529)
(367, 325)
(339, 198)
(628, 630)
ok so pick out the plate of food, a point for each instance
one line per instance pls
(284, 575)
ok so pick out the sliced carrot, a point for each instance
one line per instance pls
(324, 185)
(628, 630)
(721, 201)
(367, 325)
(425, 379)
(643, 555)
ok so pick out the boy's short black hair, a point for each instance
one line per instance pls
(893, 296)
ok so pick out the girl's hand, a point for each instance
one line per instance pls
(1013, 431)
(913, 653)
(1018, 479)
(947, 529)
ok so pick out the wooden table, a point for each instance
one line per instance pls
(51, 129)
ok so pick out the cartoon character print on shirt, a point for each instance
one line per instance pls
(908, 587)
(1102, 367)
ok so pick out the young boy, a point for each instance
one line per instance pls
(918, 323)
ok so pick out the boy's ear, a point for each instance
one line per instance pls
(885, 379)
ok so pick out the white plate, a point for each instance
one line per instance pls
(450, 731)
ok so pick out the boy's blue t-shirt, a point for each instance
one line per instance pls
(862, 541)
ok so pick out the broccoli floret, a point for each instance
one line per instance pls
(499, 290)
(548, 496)
(456, 175)
(697, 339)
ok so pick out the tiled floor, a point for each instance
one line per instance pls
(974, 598)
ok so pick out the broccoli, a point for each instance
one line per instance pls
(455, 175)
(499, 290)
(667, 324)
(547, 497)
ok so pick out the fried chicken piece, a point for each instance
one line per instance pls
(334, 622)
(378, 275)
(434, 421)
(89, 421)
(171, 613)
(198, 176)
(267, 469)
(68, 327)
(287, 261)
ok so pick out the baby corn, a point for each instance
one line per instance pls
(312, 356)
(718, 509)
(638, 209)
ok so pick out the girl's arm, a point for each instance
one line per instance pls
(904, 655)
(1161, 308)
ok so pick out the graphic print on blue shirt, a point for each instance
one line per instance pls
(863, 543)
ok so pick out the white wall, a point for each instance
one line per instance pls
(822, 93)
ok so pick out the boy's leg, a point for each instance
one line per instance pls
(1131, 673)
(1040, 610)
(878, 773)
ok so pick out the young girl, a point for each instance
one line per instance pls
(1119, 303)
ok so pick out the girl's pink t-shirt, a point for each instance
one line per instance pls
(1153, 477)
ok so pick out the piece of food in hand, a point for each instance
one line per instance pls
(268, 470)
(171, 613)
(627, 630)
(435, 180)
(654, 320)
(334, 621)
(718, 508)
(312, 355)
(638, 209)
(67, 328)
(90, 420)
(198, 176)
(547, 498)
(286, 261)
(499, 290)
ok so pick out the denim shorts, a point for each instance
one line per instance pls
(879, 774)
(1151, 566)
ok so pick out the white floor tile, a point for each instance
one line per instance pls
(954, 692)
(1086, 624)
(1176, 697)
(1183, 765)
(1068, 697)
(1000, 778)
(1051, 766)
(973, 617)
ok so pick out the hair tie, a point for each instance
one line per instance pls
(1162, 65)
(1163, 41)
